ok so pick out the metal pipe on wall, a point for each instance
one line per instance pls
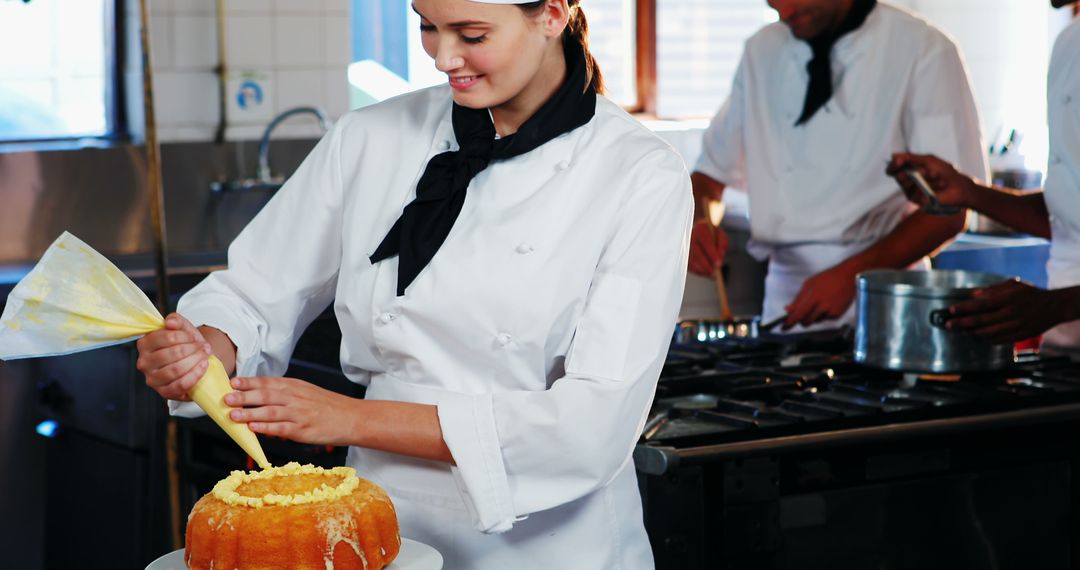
(157, 219)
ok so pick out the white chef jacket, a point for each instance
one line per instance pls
(538, 329)
(1062, 189)
(899, 86)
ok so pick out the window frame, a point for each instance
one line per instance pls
(645, 58)
(117, 127)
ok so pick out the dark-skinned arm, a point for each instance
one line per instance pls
(1024, 211)
(829, 294)
(917, 236)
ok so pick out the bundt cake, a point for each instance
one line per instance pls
(293, 517)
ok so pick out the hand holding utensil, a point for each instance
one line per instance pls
(933, 205)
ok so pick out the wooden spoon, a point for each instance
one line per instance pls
(716, 215)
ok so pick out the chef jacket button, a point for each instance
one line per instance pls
(1067, 99)
(1055, 159)
(445, 145)
(386, 318)
(562, 165)
(524, 248)
(503, 339)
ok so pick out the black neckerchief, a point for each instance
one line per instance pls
(820, 89)
(440, 194)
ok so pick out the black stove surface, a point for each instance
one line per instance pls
(732, 390)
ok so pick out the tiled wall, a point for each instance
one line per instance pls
(278, 54)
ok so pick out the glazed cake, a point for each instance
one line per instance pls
(293, 517)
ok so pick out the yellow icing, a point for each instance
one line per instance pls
(209, 393)
(226, 489)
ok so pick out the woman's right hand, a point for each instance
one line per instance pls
(952, 187)
(173, 358)
(708, 245)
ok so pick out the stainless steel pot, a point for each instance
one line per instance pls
(901, 322)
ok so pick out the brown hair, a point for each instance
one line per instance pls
(577, 30)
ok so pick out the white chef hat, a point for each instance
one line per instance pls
(504, 1)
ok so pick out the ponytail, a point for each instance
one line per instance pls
(577, 32)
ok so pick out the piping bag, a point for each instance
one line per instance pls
(75, 299)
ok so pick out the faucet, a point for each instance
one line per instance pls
(263, 172)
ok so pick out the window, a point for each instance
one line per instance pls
(698, 47)
(613, 42)
(56, 69)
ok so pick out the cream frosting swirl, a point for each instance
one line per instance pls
(226, 489)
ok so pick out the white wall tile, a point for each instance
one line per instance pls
(299, 6)
(338, 36)
(202, 7)
(185, 98)
(251, 132)
(199, 133)
(162, 46)
(157, 8)
(338, 6)
(299, 41)
(300, 87)
(337, 92)
(249, 6)
(249, 41)
(195, 41)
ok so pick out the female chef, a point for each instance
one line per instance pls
(505, 255)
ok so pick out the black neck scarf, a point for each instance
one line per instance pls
(820, 89)
(440, 194)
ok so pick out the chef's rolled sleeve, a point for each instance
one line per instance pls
(521, 452)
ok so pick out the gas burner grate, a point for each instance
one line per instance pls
(731, 389)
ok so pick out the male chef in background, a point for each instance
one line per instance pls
(820, 102)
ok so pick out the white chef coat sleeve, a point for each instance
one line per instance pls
(723, 150)
(282, 268)
(521, 452)
(941, 116)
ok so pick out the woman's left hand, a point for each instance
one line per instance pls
(293, 409)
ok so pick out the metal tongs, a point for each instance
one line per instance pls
(933, 206)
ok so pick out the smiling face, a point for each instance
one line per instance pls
(495, 55)
(808, 19)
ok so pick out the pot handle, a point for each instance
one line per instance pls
(940, 317)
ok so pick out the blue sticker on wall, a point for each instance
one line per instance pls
(249, 94)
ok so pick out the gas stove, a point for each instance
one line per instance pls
(741, 389)
(756, 451)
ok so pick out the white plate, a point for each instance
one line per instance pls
(412, 556)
